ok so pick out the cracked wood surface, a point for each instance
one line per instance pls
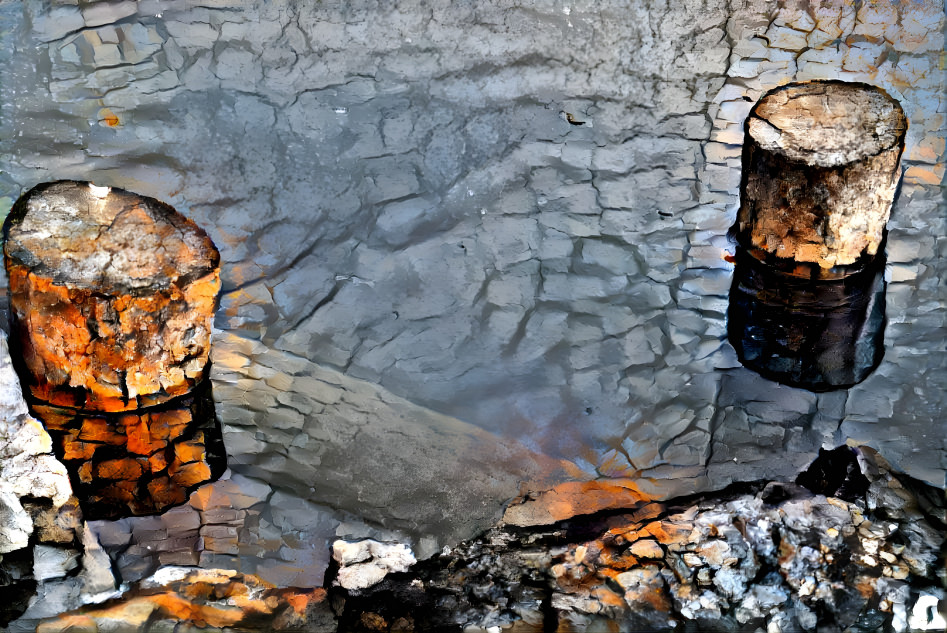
(111, 296)
(821, 163)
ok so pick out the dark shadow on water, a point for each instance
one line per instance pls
(137, 462)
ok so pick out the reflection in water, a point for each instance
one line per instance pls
(806, 327)
(137, 462)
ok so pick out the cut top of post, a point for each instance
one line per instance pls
(106, 240)
(827, 123)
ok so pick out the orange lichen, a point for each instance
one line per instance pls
(574, 498)
(108, 117)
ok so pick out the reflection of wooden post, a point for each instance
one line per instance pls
(819, 334)
(111, 296)
(137, 462)
(820, 169)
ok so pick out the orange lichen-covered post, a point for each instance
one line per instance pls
(111, 297)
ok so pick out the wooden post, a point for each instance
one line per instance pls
(111, 297)
(821, 164)
(820, 170)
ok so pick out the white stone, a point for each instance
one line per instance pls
(27, 469)
(166, 575)
(347, 553)
(15, 524)
(365, 563)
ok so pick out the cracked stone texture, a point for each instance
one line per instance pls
(498, 222)
(28, 467)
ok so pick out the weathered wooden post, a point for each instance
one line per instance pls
(821, 165)
(112, 296)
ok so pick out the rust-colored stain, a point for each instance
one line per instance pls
(205, 598)
(108, 117)
(574, 498)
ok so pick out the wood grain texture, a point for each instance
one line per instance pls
(821, 164)
(112, 296)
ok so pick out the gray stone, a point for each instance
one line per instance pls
(53, 562)
(770, 553)
(99, 13)
(398, 222)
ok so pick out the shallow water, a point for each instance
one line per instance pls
(473, 250)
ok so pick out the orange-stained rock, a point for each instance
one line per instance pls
(573, 498)
(205, 598)
(111, 296)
